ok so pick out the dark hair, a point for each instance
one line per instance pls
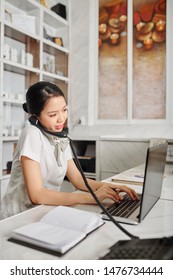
(38, 94)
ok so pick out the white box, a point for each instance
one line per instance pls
(25, 22)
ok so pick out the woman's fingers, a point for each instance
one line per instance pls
(111, 193)
(122, 188)
(114, 195)
(131, 192)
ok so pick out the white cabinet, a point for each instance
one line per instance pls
(34, 46)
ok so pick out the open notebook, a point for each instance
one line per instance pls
(58, 231)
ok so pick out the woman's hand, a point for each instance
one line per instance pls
(131, 192)
(112, 192)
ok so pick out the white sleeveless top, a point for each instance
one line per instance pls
(36, 146)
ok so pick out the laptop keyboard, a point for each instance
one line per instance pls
(152, 249)
(124, 208)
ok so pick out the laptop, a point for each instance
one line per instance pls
(133, 212)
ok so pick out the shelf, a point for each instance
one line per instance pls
(24, 53)
(23, 15)
(26, 6)
(55, 61)
(52, 47)
(10, 138)
(54, 76)
(18, 33)
(24, 45)
(19, 68)
(14, 102)
(51, 19)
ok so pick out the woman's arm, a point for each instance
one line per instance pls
(38, 194)
(76, 179)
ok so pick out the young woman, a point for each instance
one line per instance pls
(41, 160)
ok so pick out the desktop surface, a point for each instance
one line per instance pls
(158, 223)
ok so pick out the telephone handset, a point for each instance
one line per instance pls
(33, 120)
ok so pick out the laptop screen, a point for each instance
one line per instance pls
(153, 179)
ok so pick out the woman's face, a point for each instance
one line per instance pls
(54, 114)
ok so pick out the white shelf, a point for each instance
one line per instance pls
(25, 6)
(17, 75)
(18, 67)
(55, 76)
(11, 27)
(55, 46)
(13, 101)
(10, 138)
(51, 18)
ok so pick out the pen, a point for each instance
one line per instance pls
(139, 176)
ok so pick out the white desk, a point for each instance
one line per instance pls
(157, 223)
